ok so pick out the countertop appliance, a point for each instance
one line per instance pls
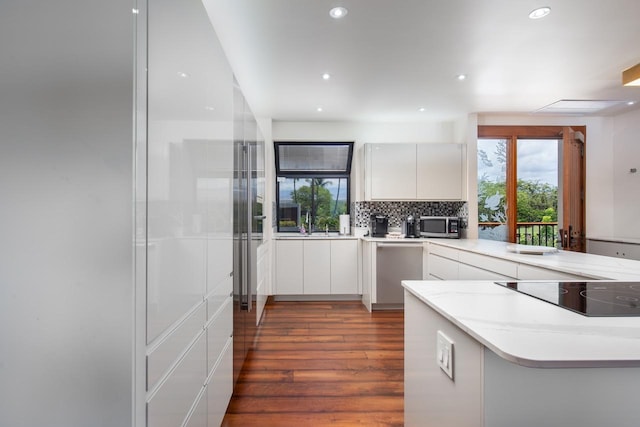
(395, 262)
(379, 225)
(411, 227)
(440, 226)
(591, 298)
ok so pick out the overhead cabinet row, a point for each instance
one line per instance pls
(413, 171)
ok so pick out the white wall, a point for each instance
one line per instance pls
(66, 209)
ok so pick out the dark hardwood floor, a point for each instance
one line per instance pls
(322, 364)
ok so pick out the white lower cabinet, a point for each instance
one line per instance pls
(289, 267)
(172, 401)
(441, 268)
(529, 272)
(220, 386)
(614, 249)
(469, 272)
(317, 267)
(446, 263)
(487, 390)
(344, 267)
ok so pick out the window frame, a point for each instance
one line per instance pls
(312, 174)
(512, 134)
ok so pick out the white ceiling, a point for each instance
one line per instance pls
(388, 58)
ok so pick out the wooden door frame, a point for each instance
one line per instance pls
(511, 134)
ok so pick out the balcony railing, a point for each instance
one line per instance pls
(532, 233)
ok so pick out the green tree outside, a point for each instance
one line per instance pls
(318, 201)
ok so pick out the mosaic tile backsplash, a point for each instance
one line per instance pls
(398, 211)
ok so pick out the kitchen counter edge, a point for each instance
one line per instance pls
(530, 332)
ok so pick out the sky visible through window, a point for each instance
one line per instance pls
(537, 161)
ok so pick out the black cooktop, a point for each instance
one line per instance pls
(593, 298)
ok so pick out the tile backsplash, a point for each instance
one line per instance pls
(398, 211)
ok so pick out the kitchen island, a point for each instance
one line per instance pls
(515, 360)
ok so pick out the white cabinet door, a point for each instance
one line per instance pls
(390, 172)
(469, 272)
(289, 267)
(501, 267)
(442, 268)
(344, 267)
(439, 172)
(614, 249)
(367, 275)
(317, 267)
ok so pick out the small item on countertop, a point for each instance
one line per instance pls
(394, 235)
(531, 250)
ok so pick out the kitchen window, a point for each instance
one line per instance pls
(312, 185)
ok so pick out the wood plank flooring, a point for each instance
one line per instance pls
(320, 364)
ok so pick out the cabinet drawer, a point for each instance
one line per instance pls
(442, 268)
(220, 386)
(496, 265)
(443, 251)
(468, 272)
(528, 272)
(218, 332)
(161, 359)
(171, 404)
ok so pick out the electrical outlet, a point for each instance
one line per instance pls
(444, 353)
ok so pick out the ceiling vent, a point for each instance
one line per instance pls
(578, 107)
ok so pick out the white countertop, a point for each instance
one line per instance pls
(595, 266)
(530, 332)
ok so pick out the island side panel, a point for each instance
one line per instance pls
(431, 397)
(532, 397)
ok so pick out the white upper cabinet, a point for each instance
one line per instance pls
(413, 172)
(439, 171)
(390, 172)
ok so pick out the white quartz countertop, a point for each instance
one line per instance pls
(528, 331)
(589, 265)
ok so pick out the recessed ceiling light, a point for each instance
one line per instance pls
(631, 103)
(326, 76)
(461, 77)
(135, 11)
(338, 12)
(540, 12)
(319, 109)
(421, 109)
(183, 75)
(209, 108)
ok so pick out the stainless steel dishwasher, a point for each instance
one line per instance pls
(395, 262)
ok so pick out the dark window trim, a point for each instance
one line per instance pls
(298, 174)
(317, 174)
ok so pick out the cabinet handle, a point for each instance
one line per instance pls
(400, 245)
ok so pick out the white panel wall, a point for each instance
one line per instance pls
(626, 185)
(66, 209)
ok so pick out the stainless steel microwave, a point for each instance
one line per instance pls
(440, 226)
